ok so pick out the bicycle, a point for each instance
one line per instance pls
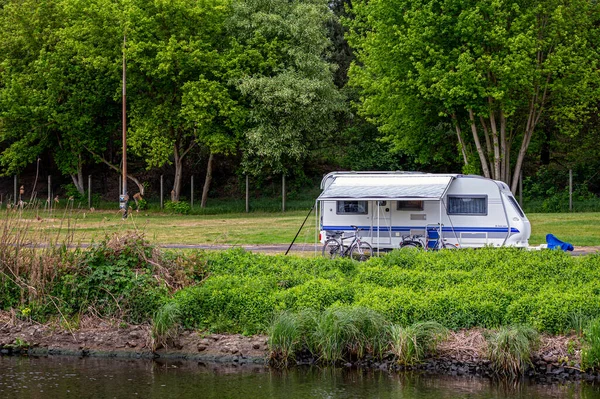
(358, 249)
(433, 241)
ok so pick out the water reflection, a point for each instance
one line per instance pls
(64, 377)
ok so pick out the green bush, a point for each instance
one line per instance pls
(316, 294)
(226, 304)
(178, 207)
(112, 279)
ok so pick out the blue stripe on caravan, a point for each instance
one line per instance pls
(446, 229)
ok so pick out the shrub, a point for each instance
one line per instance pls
(228, 304)
(510, 348)
(178, 207)
(410, 344)
(316, 294)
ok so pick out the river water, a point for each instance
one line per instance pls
(67, 377)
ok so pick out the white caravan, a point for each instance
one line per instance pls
(474, 211)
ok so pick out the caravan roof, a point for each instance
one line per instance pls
(384, 185)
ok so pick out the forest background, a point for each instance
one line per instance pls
(224, 89)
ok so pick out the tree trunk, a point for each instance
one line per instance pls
(523, 150)
(504, 150)
(139, 185)
(207, 181)
(176, 192)
(78, 182)
(486, 134)
(78, 178)
(482, 158)
(460, 140)
(494, 129)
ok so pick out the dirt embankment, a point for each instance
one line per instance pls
(102, 338)
(462, 353)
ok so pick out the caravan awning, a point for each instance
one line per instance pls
(421, 187)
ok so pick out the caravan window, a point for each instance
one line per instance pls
(352, 208)
(516, 205)
(409, 205)
(467, 205)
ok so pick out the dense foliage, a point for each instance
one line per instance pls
(223, 88)
(243, 291)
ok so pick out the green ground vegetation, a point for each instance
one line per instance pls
(125, 277)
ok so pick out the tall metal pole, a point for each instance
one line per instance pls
(124, 198)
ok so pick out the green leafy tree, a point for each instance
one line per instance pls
(60, 73)
(491, 68)
(284, 77)
(179, 96)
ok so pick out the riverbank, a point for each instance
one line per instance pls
(462, 353)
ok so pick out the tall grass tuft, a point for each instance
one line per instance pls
(165, 325)
(410, 344)
(510, 349)
(578, 322)
(338, 333)
(334, 331)
(590, 352)
(31, 255)
(371, 332)
(287, 335)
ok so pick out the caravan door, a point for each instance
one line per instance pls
(382, 224)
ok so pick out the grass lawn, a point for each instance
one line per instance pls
(580, 229)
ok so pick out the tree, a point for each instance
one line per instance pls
(489, 67)
(178, 96)
(284, 78)
(61, 71)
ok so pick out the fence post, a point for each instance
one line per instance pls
(90, 191)
(49, 193)
(192, 193)
(161, 191)
(15, 197)
(570, 190)
(247, 195)
(283, 192)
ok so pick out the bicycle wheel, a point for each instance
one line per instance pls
(332, 248)
(411, 246)
(361, 252)
(447, 245)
